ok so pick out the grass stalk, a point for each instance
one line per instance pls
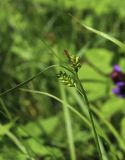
(68, 124)
(91, 116)
(8, 114)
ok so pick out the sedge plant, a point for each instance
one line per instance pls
(73, 80)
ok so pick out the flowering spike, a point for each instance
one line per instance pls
(67, 54)
(66, 79)
(74, 61)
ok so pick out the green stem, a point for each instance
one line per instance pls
(8, 115)
(91, 117)
(68, 125)
(27, 81)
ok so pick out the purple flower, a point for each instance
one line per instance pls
(117, 75)
(120, 89)
(118, 78)
(117, 68)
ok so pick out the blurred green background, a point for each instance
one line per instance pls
(33, 126)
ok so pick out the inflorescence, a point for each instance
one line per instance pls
(75, 65)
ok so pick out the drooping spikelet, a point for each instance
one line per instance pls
(66, 79)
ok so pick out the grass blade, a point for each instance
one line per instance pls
(82, 117)
(8, 114)
(26, 81)
(102, 34)
(68, 124)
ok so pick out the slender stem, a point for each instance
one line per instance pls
(8, 115)
(85, 120)
(91, 117)
(26, 81)
(68, 125)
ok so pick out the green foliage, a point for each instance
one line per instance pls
(96, 34)
(4, 129)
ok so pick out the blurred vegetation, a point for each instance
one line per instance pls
(33, 126)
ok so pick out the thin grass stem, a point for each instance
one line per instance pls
(91, 116)
(68, 124)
